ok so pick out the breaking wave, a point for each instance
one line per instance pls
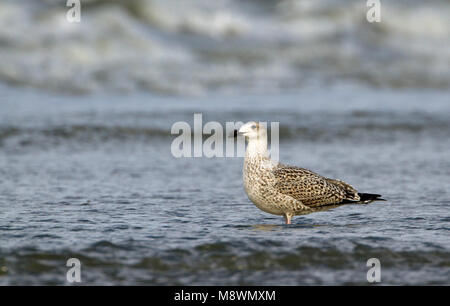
(194, 47)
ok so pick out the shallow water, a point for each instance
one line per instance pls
(93, 178)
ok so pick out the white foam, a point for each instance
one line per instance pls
(193, 47)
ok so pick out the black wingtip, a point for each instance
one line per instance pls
(370, 197)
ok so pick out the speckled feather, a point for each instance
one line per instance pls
(259, 183)
(286, 190)
(279, 189)
(311, 188)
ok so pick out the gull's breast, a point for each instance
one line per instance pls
(258, 184)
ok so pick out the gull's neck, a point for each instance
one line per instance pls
(257, 148)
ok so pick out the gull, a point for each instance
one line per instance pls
(285, 190)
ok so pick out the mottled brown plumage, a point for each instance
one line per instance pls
(310, 188)
(286, 190)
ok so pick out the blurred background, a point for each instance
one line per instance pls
(86, 111)
(197, 47)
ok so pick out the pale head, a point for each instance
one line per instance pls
(256, 135)
(253, 130)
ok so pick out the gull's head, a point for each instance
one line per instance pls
(252, 130)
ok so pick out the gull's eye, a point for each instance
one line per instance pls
(253, 127)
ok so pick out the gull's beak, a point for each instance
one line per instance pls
(237, 133)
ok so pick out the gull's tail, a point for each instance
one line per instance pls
(369, 197)
(364, 198)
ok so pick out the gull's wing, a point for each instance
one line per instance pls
(310, 188)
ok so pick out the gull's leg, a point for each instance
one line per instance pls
(287, 218)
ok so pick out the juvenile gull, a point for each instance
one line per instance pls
(286, 190)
